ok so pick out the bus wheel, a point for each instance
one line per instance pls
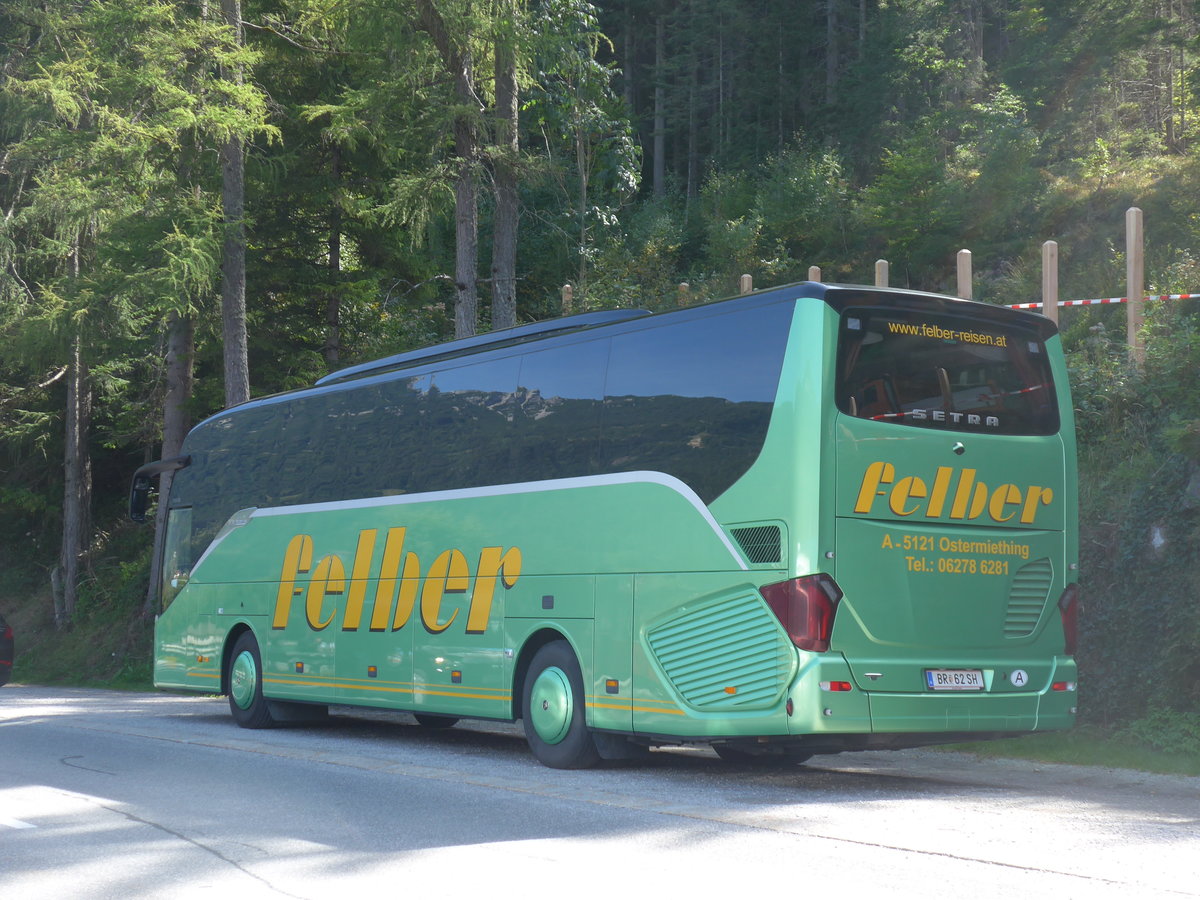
(246, 701)
(429, 720)
(553, 710)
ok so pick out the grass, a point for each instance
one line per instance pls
(1088, 745)
(108, 645)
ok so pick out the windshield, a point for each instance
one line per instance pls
(946, 372)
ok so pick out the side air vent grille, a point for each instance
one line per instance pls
(731, 654)
(762, 544)
(1027, 598)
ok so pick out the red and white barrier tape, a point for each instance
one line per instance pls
(1105, 300)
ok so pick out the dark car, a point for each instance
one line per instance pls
(6, 651)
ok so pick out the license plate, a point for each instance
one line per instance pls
(954, 679)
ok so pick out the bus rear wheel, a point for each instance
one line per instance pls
(553, 710)
(246, 700)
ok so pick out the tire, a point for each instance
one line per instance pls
(246, 701)
(553, 710)
(430, 720)
(780, 757)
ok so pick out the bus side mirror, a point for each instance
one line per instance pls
(143, 480)
(139, 497)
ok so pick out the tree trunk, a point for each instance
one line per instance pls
(629, 86)
(862, 29)
(972, 26)
(660, 115)
(233, 265)
(181, 345)
(507, 148)
(466, 211)
(77, 489)
(333, 302)
(583, 165)
(466, 231)
(831, 51)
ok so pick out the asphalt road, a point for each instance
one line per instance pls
(116, 795)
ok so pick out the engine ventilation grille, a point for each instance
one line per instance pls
(731, 654)
(1027, 598)
(761, 543)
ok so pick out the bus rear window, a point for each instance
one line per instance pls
(945, 372)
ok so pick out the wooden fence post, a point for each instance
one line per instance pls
(568, 295)
(682, 299)
(1135, 277)
(814, 273)
(881, 273)
(1050, 280)
(964, 274)
(746, 284)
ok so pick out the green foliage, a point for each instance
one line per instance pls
(1166, 731)
(109, 642)
(1138, 430)
(640, 268)
(1090, 745)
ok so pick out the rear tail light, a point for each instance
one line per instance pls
(1068, 606)
(836, 686)
(805, 607)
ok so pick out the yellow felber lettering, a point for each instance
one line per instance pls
(408, 591)
(907, 488)
(396, 591)
(493, 562)
(358, 579)
(964, 497)
(1005, 495)
(329, 580)
(386, 589)
(1033, 497)
(968, 497)
(941, 489)
(448, 575)
(297, 558)
(878, 473)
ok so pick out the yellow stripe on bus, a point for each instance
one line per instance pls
(399, 689)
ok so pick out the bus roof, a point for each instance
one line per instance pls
(838, 296)
(478, 342)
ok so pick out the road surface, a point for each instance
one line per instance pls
(117, 795)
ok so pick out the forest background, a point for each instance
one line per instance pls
(204, 200)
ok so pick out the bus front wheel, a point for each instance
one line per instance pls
(553, 710)
(246, 701)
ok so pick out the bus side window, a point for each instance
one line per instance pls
(694, 400)
(557, 424)
(177, 554)
(468, 425)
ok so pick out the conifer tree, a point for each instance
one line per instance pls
(110, 199)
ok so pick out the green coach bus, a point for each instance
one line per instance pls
(810, 519)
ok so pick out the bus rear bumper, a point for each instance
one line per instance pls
(1011, 713)
(825, 700)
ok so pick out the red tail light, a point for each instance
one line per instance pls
(805, 607)
(1068, 606)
